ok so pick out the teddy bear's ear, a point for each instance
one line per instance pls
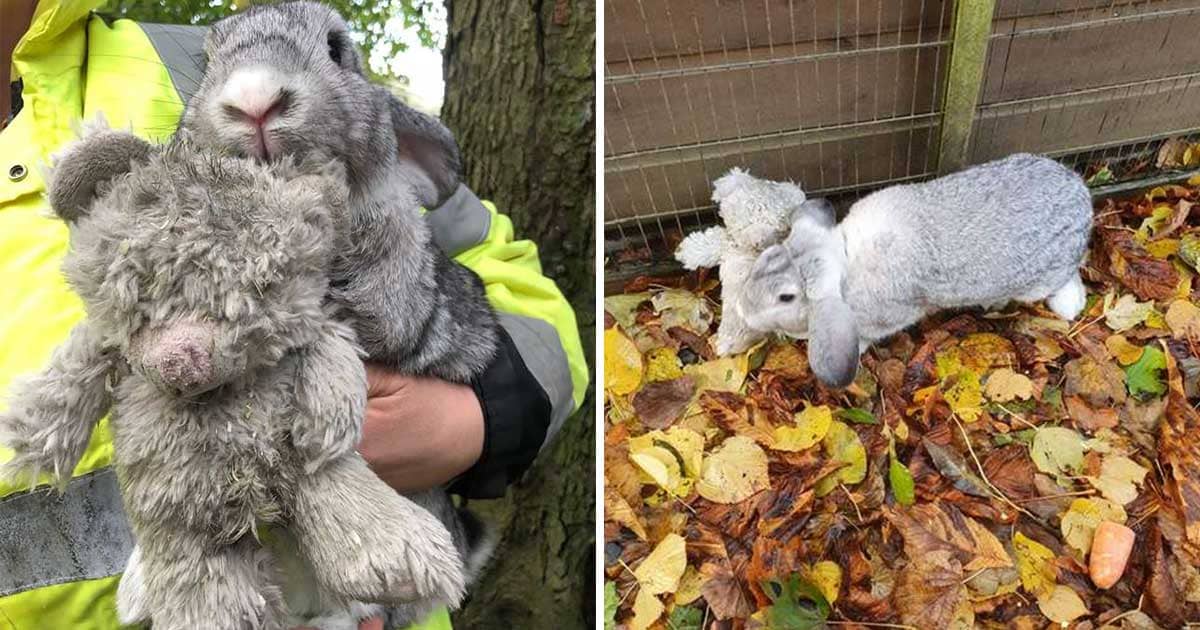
(77, 174)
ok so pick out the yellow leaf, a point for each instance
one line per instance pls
(686, 445)
(827, 577)
(662, 467)
(1035, 563)
(646, 610)
(1126, 312)
(662, 364)
(1079, 522)
(725, 374)
(1004, 385)
(1194, 180)
(622, 363)
(1163, 248)
(811, 426)
(964, 397)
(1062, 605)
(1119, 479)
(1057, 450)
(734, 472)
(842, 445)
(1183, 318)
(661, 571)
(1124, 352)
(690, 586)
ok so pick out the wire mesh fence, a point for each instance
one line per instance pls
(845, 96)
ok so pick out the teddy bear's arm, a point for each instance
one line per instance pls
(50, 415)
(331, 394)
(702, 249)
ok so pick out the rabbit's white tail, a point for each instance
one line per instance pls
(702, 249)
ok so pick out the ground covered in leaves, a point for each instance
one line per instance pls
(959, 482)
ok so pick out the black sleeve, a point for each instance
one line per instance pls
(516, 417)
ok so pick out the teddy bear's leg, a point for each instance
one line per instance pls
(190, 581)
(366, 542)
(733, 335)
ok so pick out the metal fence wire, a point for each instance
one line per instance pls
(846, 96)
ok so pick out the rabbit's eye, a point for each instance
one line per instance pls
(787, 297)
(335, 48)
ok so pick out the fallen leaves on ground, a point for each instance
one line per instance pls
(959, 482)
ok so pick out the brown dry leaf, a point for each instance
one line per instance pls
(1101, 384)
(1062, 605)
(1148, 277)
(731, 412)
(929, 591)
(973, 543)
(1179, 450)
(725, 595)
(788, 360)
(617, 509)
(1119, 478)
(1088, 418)
(660, 403)
(1183, 318)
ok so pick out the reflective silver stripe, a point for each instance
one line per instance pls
(49, 539)
(181, 50)
(460, 223)
(544, 357)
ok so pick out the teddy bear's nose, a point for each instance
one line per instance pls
(180, 359)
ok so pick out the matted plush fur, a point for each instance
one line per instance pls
(411, 306)
(1012, 229)
(236, 398)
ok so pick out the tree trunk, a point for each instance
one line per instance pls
(520, 99)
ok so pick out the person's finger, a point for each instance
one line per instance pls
(374, 623)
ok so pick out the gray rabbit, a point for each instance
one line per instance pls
(1011, 229)
(286, 80)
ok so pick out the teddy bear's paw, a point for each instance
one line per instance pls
(399, 568)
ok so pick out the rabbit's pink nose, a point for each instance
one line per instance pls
(255, 96)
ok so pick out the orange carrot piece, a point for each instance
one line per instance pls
(1111, 547)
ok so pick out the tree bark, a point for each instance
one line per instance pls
(520, 99)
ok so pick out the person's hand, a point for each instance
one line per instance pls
(374, 623)
(419, 432)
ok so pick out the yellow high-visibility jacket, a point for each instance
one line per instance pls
(61, 556)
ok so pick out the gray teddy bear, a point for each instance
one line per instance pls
(236, 399)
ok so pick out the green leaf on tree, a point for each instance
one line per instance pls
(1143, 375)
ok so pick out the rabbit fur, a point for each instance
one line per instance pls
(413, 308)
(1012, 229)
(236, 396)
(755, 213)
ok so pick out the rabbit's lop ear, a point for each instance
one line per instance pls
(79, 174)
(429, 154)
(832, 342)
(819, 210)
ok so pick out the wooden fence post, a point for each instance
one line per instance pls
(968, 53)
